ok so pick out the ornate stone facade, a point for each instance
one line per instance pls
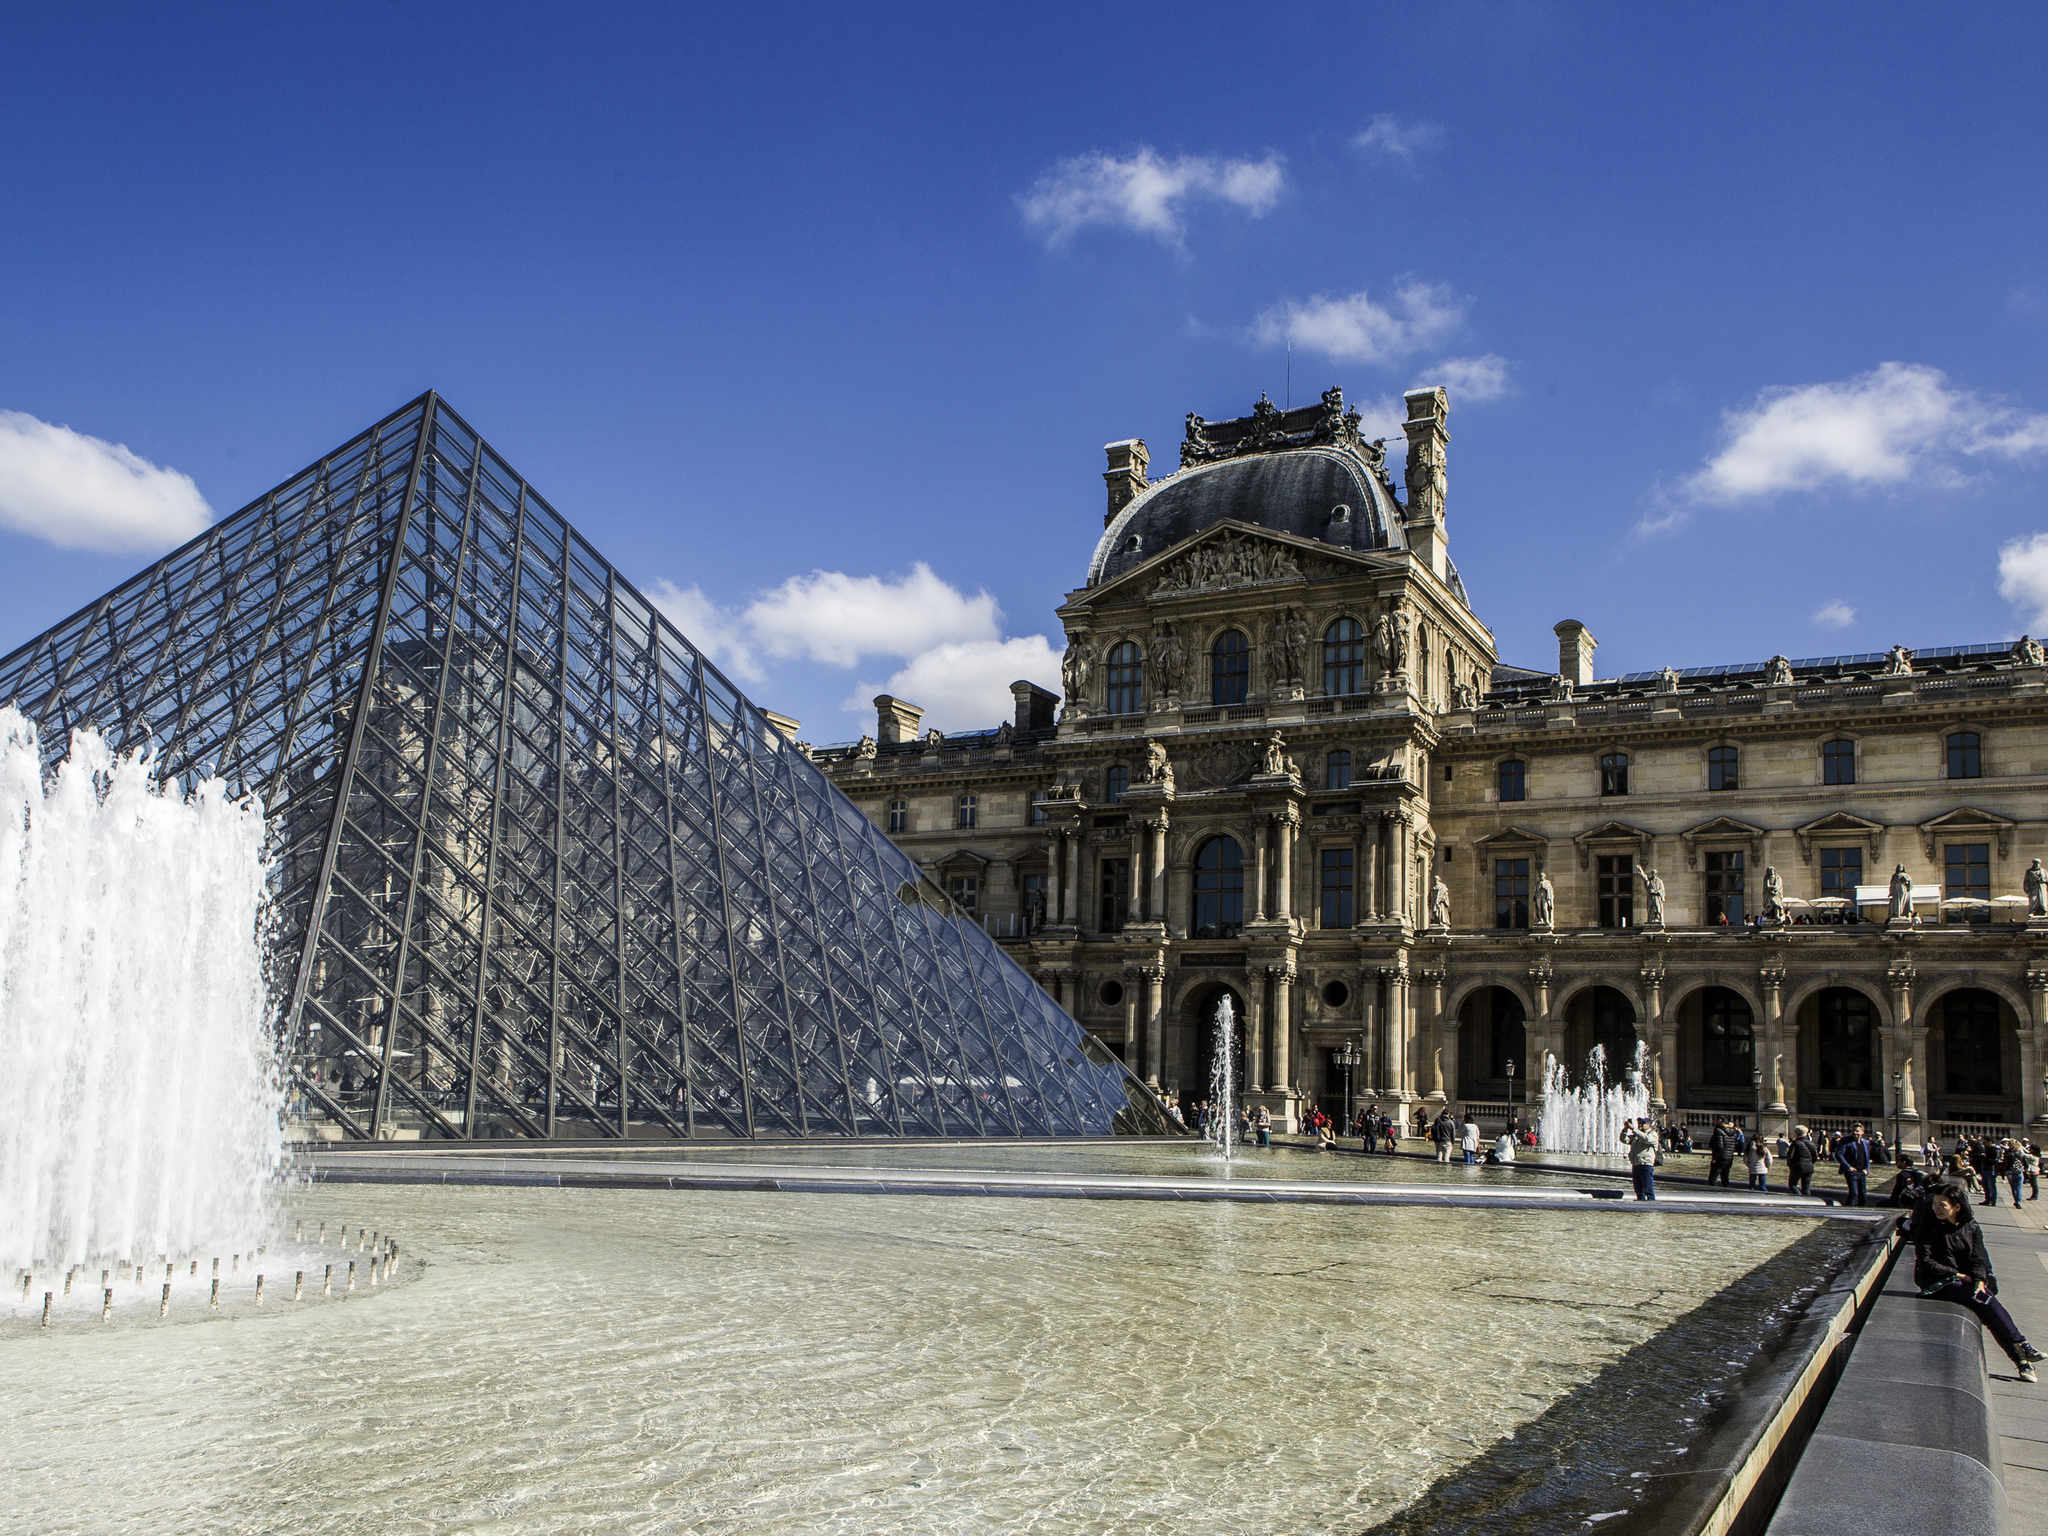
(1290, 769)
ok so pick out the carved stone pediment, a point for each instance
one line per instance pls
(1721, 831)
(1512, 837)
(1225, 564)
(1968, 821)
(1229, 556)
(1838, 826)
(1608, 836)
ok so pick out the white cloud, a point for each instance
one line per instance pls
(1897, 422)
(2023, 577)
(965, 685)
(1388, 138)
(1144, 192)
(1472, 380)
(1834, 615)
(837, 619)
(715, 631)
(81, 492)
(1356, 328)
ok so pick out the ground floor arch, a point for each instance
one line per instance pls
(1600, 1017)
(1973, 1057)
(1492, 1033)
(1841, 1054)
(1720, 1065)
(1199, 1038)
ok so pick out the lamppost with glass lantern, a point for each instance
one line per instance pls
(1898, 1086)
(1511, 1091)
(1756, 1084)
(1347, 1057)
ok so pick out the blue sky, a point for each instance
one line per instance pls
(816, 322)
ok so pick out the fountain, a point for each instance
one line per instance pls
(1588, 1118)
(139, 1100)
(1223, 1079)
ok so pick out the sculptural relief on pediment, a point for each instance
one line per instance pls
(1225, 564)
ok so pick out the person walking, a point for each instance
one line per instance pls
(1800, 1160)
(1759, 1165)
(1443, 1133)
(2030, 1165)
(1853, 1158)
(2011, 1168)
(1950, 1264)
(1641, 1144)
(1720, 1153)
(1469, 1140)
(1984, 1159)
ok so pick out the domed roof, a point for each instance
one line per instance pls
(1327, 493)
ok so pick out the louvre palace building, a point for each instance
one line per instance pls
(1290, 769)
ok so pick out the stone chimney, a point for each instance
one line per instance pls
(1575, 648)
(1035, 707)
(1126, 474)
(896, 719)
(1427, 439)
(786, 725)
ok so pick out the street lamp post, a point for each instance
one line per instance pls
(1511, 1091)
(1756, 1084)
(1898, 1085)
(1347, 1058)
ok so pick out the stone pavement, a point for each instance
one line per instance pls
(2018, 1241)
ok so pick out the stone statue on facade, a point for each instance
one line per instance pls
(1778, 672)
(1667, 680)
(1565, 688)
(1074, 670)
(1464, 696)
(1277, 760)
(1169, 662)
(1898, 662)
(1390, 643)
(2030, 652)
(1158, 766)
(2035, 884)
(1034, 909)
(865, 747)
(1653, 896)
(1544, 916)
(1901, 895)
(1439, 903)
(1774, 895)
(1196, 448)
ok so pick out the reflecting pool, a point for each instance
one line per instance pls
(569, 1360)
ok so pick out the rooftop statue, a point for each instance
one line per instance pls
(1898, 662)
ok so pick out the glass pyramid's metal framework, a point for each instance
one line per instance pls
(542, 871)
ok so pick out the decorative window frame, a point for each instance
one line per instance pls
(1855, 741)
(1493, 787)
(1723, 832)
(1613, 837)
(1254, 679)
(1840, 829)
(1967, 823)
(1707, 765)
(1510, 842)
(1941, 737)
(1600, 753)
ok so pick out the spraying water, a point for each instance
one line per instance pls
(139, 1100)
(1589, 1118)
(1223, 1077)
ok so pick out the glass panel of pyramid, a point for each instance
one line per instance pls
(542, 871)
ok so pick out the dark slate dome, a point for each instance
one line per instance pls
(1328, 494)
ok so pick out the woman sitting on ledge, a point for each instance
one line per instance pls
(1950, 1264)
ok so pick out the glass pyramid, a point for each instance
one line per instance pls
(542, 871)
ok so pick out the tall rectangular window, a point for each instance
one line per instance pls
(899, 815)
(1841, 871)
(967, 811)
(1337, 770)
(1124, 685)
(1966, 869)
(1615, 875)
(1513, 779)
(1614, 773)
(1724, 887)
(965, 891)
(1343, 658)
(1965, 755)
(1337, 892)
(1510, 893)
(1035, 888)
(1838, 762)
(1722, 766)
(1114, 886)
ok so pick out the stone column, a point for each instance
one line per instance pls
(1398, 1027)
(1540, 1029)
(1284, 825)
(1373, 1071)
(1283, 1043)
(1155, 1022)
(1259, 871)
(2034, 1048)
(1442, 1032)
(1663, 1047)
(1073, 877)
(1056, 865)
(1134, 882)
(1772, 979)
(1904, 1051)
(1131, 983)
(1255, 1030)
(1156, 879)
(1369, 870)
(1397, 895)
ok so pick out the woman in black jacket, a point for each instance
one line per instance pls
(1950, 1264)
(1799, 1160)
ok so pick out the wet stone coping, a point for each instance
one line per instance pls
(460, 1168)
(1908, 1441)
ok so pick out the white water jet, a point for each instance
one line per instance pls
(139, 1098)
(1223, 1078)
(1589, 1117)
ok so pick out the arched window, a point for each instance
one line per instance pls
(1727, 1040)
(1230, 668)
(1337, 770)
(1965, 755)
(1126, 677)
(1838, 762)
(1614, 773)
(1722, 764)
(1219, 889)
(1115, 780)
(1422, 666)
(1514, 779)
(1343, 658)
